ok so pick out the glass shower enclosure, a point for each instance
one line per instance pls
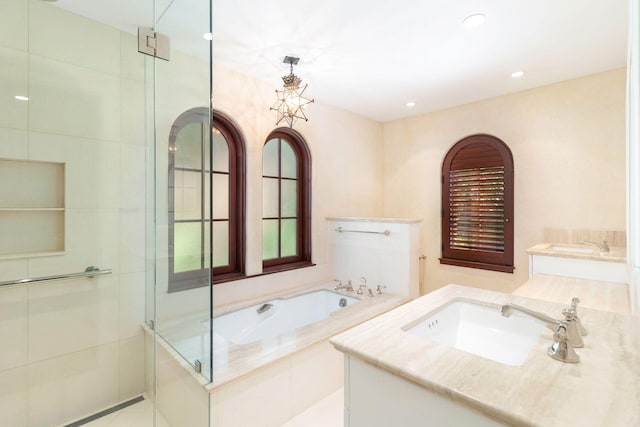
(87, 319)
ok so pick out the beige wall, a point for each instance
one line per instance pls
(346, 153)
(568, 144)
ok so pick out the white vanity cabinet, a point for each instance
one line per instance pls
(376, 398)
(567, 261)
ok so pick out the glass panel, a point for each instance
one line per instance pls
(289, 237)
(188, 150)
(207, 245)
(269, 238)
(220, 196)
(270, 158)
(207, 145)
(187, 243)
(220, 243)
(269, 197)
(187, 196)
(289, 197)
(289, 161)
(220, 152)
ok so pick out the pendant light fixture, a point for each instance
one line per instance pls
(291, 103)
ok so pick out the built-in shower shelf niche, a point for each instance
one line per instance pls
(32, 208)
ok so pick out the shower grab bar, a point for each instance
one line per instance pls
(342, 230)
(90, 271)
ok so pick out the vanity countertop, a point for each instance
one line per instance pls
(602, 390)
(615, 254)
(594, 294)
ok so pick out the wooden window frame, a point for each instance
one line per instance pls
(234, 270)
(477, 258)
(303, 212)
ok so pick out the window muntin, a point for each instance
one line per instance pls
(193, 221)
(477, 204)
(286, 180)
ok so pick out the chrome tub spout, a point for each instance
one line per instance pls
(263, 308)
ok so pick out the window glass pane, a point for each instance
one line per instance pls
(187, 247)
(220, 152)
(289, 237)
(220, 196)
(289, 161)
(269, 197)
(270, 158)
(188, 150)
(289, 197)
(220, 243)
(269, 238)
(187, 195)
(177, 194)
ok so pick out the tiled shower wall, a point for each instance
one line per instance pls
(72, 347)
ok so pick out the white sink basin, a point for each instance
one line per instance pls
(481, 330)
(573, 249)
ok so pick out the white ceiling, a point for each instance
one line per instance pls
(373, 56)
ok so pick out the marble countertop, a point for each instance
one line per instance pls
(602, 390)
(615, 254)
(594, 294)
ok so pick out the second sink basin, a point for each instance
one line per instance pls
(480, 329)
(573, 249)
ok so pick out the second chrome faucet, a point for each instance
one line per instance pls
(568, 332)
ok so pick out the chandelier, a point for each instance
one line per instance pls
(291, 103)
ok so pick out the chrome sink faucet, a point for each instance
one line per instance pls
(569, 324)
(602, 246)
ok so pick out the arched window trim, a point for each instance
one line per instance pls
(476, 258)
(237, 202)
(303, 259)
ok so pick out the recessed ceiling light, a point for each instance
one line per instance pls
(21, 98)
(517, 74)
(208, 36)
(410, 104)
(474, 21)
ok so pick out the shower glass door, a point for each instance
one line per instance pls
(182, 176)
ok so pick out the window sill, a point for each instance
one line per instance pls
(479, 265)
(286, 267)
(227, 277)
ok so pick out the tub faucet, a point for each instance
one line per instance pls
(602, 246)
(364, 285)
(348, 287)
(569, 323)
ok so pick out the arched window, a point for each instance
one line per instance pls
(286, 201)
(477, 204)
(205, 161)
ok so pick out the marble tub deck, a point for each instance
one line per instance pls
(602, 390)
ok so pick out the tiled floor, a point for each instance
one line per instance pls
(136, 415)
(326, 413)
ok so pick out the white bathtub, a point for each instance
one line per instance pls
(277, 317)
(285, 348)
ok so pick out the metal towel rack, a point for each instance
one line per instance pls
(342, 230)
(90, 271)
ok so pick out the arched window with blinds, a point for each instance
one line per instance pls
(477, 204)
